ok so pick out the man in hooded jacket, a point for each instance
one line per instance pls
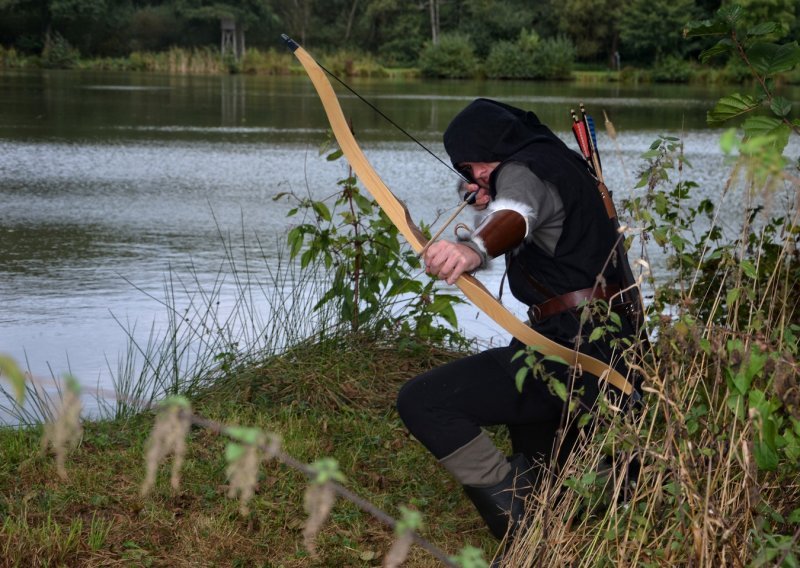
(543, 212)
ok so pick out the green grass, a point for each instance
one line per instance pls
(595, 76)
(334, 398)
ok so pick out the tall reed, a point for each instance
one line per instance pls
(257, 304)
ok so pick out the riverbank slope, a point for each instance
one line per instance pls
(332, 399)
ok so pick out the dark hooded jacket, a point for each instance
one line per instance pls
(490, 131)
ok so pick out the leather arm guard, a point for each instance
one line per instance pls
(502, 231)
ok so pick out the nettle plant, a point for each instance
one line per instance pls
(732, 299)
(375, 281)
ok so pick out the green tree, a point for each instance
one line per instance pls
(592, 27)
(451, 58)
(397, 29)
(244, 12)
(650, 30)
(487, 22)
(782, 12)
(90, 25)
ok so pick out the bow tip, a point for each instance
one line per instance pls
(291, 44)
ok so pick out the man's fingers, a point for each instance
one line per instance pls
(449, 260)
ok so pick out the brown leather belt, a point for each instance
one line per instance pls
(569, 301)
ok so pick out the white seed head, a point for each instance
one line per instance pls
(318, 502)
(65, 432)
(398, 553)
(167, 437)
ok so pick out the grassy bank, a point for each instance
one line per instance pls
(208, 60)
(331, 399)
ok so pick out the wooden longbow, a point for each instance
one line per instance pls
(399, 215)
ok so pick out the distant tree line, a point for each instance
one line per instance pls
(395, 32)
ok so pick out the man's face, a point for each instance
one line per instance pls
(479, 172)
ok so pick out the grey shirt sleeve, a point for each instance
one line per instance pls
(518, 188)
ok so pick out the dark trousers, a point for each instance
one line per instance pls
(446, 407)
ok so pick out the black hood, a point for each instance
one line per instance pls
(491, 131)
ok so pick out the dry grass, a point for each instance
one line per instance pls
(718, 436)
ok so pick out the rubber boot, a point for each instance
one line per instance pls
(502, 506)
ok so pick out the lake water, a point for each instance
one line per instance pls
(110, 182)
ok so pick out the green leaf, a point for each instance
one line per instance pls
(244, 435)
(748, 268)
(766, 455)
(780, 106)
(177, 400)
(729, 140)
(470, 557)
(518, 354)
(322, 210)
(756, 363)
(519, 378)
(555, 359)
(295, 239)
(769, 59)
(233, 452)
(10, 370)
(596, 334)
(73, 385)
(410, 520)
(445, 310)
(735, 403)
(760, 125)
(335, 155)
(364, 204)
(559, 388)
(327, 469)
(706, 27)
(730, 107)
(306, 258)
(774, 131)
(763, 28)
(723, 46)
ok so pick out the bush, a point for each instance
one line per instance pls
(531, 58)
(672, 70)
(353, 64)
(59, 54)
(630, 74)
(507, 61)
(9, 57)
(400, 52)
(555, 58)
(269, 62)
(736, 72)
(451, 58)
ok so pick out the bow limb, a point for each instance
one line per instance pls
(399, 215)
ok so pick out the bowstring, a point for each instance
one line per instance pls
(393, 123)
(468, 198)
